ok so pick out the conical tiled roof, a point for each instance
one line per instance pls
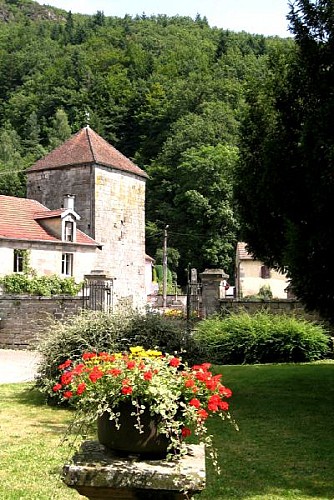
(86, 147)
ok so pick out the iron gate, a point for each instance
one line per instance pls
(98, 295)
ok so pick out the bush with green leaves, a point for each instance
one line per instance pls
(98, 331)
(261, 338)
(17, 283)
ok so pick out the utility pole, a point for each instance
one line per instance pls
(164, 269)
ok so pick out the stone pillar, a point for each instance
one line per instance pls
(213, 289)
(99, 291)
(97, 473)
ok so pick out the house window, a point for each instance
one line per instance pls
(69, 231)
(265, 272)
(19, 260)
(67, 264)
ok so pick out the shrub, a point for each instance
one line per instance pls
(261, 338)
(46, 286)
(98, 331)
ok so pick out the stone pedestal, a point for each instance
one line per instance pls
(213, 289)
(97, 473)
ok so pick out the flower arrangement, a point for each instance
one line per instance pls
(182, 397)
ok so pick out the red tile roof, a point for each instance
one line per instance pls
(18, 221)
(86, 147)
(242, 253)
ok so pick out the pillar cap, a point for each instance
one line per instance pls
(211, 273)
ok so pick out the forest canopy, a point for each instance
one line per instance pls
(168, 92)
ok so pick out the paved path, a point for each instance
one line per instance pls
(17, 365)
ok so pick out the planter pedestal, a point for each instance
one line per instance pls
(97, 473)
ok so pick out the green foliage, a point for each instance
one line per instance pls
(264, 293)
(47, 286)
(168, 92)
(99, 331)
(287, 150)
(261, 338)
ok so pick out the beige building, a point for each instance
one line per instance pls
(109, 193)
(251, 275)
(47, 241)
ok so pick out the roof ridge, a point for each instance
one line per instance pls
(87, 129)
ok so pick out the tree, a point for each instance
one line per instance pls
(60, 130)
(286, 173)
(197, 203)
(12, 179)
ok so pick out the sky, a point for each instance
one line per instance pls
(266, 17)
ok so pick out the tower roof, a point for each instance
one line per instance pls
(86, 147)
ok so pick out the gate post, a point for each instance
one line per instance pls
(213, 289)
(100, 289)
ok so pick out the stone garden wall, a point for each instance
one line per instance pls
(279, 306)
(24, 318)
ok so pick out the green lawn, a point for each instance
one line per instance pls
(284, 449)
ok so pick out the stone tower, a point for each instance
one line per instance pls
(109, 193)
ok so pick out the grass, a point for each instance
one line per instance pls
(284, 449)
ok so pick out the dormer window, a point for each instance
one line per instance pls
(69, 231)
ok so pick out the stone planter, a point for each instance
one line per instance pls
(127, 440)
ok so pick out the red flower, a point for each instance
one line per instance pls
(202, 414)
(223, 405)
(88, 355)
(225, 391)
(131, 365)
(66, 378)
(127, 389)
(65, 365)
(189, 383)
(214, 402)
(95, 374)
(195, 402)
(78, 369)
(68, 394)
(81, 388)
(211, 384)
(114, 372)
(106, 357)
(203, 367)
(174, 362)
(148, 375)
(185, 432)
(57, 387)
(202, 376)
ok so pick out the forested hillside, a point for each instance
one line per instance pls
(168, 92)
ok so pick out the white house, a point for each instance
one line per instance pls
(48, 241)
(251, 275)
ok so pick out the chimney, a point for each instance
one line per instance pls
(69, 201)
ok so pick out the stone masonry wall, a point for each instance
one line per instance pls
(23, 318)
(279, 306)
